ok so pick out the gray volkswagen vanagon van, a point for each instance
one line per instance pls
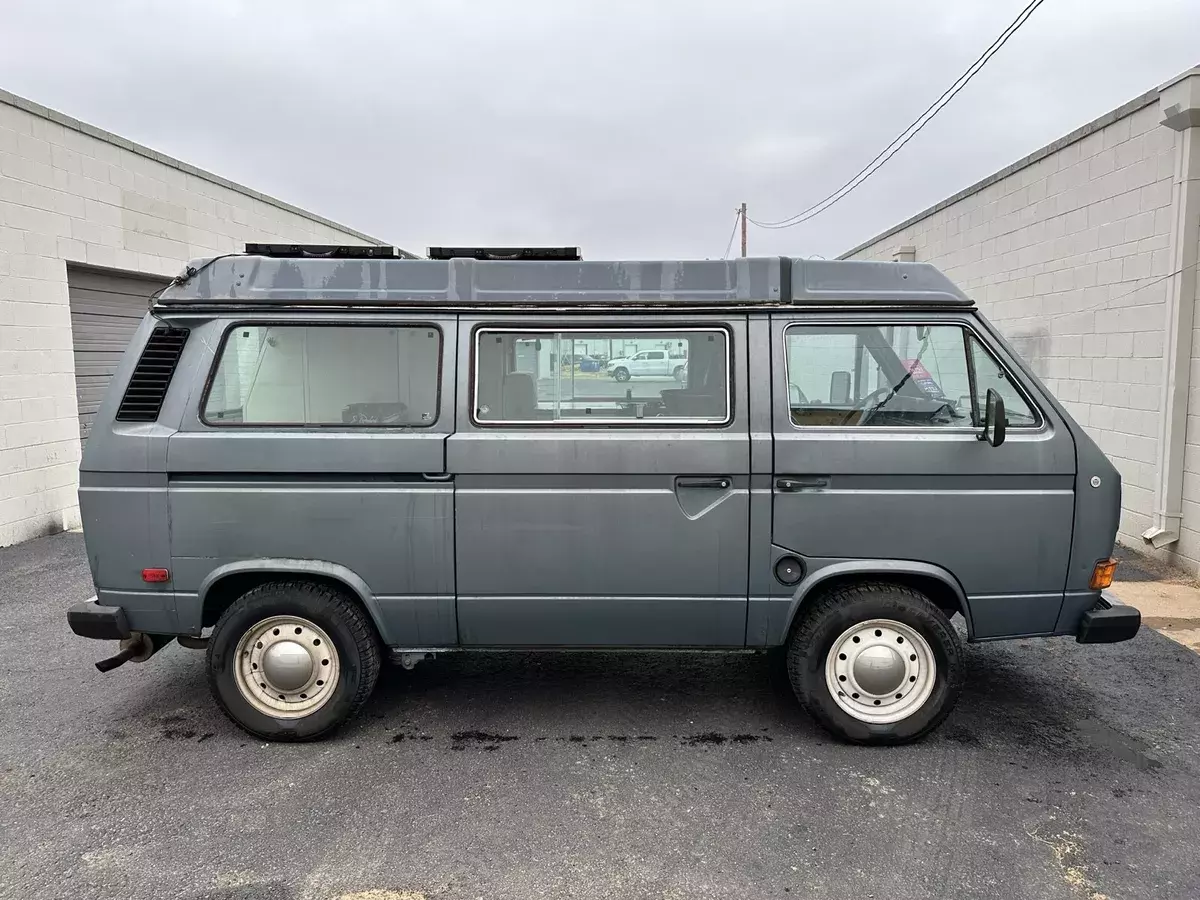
(312, 460)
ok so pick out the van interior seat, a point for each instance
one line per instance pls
(518, 396)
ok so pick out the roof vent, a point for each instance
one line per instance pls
(148, 385)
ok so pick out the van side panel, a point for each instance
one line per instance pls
(125, 526)
(1006, 538)
(123, 495)
(396, 534)
(371, 500)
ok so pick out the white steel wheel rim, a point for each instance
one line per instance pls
(880, 671)
(286, 667)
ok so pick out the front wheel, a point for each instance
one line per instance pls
(876, 663)
(621, 373)
(291, 661)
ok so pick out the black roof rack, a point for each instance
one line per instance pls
(321, 251)
(525, 254)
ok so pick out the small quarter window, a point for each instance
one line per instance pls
(619, 377)
(990, 374)
(368, 376)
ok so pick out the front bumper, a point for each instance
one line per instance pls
(91, 620)
(1108, 622)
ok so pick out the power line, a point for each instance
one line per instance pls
(737, 217)
(913, 129)
(909, 133)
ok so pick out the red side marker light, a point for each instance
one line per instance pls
(155, 576)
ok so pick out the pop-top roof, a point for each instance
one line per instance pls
(249, 280)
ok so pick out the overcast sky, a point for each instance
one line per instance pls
(632, 129)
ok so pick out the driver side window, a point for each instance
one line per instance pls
(889, 376)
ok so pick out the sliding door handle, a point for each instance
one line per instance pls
(715, 484)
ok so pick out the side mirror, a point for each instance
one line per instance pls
(839, 388)
(994, 423)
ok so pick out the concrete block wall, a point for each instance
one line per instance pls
(71, 193)
(1065, 252)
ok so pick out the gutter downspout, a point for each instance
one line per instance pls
(1180, 105)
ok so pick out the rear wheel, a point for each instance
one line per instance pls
(677, 374)
(876, 663)
(621, 373)
(291, 661)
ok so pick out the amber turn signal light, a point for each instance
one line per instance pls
(1102, 574)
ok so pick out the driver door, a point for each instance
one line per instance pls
(876, 420)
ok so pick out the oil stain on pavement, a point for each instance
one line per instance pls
(1066, 772)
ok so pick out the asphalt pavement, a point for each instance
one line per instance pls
(1066, 772)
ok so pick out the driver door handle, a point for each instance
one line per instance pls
(801, 483)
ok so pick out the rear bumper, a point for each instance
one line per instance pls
(91, 620)
(1108, 622)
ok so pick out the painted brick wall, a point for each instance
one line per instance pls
(70, 193)
(1054, 253)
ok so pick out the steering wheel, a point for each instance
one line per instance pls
(864, 403)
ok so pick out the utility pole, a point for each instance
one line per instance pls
(742, 213)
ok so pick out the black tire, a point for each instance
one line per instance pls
(840, 609)
(621, 373)
(349, 629)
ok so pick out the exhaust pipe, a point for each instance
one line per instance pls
(137, 648)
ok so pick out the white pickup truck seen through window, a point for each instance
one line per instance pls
(656, 363)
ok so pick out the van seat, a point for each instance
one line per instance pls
(518, 396)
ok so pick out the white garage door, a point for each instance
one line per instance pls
(106, 308)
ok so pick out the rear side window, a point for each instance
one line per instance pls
(647, 378)
(356, 376)
(895, 376)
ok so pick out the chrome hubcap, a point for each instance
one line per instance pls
(287, 667)
(878, 670)
(881, 671)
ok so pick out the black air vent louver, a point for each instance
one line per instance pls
(148, 386)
